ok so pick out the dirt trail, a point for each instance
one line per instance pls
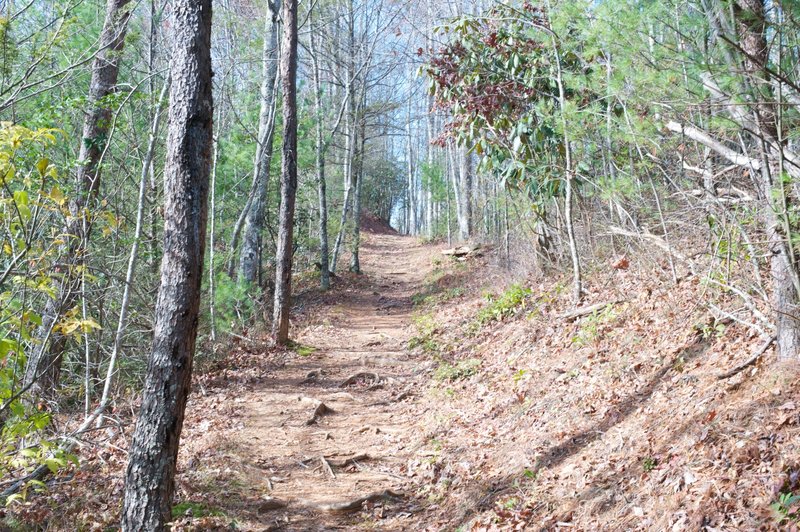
(365, 329)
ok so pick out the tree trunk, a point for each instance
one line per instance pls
(411, 225)
(43, 370)
(751, 24)
(134, 254)
(154, 450)
(358, 174)
(340, 236)
(351, 134)
(324, 259)
(569, 180)
(283, 274)
(105, 71)
(465, 194)
(250, 258)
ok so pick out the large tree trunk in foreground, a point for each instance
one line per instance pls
(283, 275)
(154, 449)
(43, 370)
(250, 258)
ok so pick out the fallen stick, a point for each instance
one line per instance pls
(355, 505)
(585, 311)
(327, 467)
(361, 375)
(353, 460)
(752, 360)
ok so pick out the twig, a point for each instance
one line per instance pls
(327, 467)
(585, 311)
(752, 360)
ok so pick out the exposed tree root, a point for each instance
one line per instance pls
(271, 503)
(312, 376)
(355, 505)
(365, 376)
(353, 460)
(405, 395)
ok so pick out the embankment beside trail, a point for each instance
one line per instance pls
(614, 419)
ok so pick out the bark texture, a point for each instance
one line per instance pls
(250, 258)
(105, 71)
(154, 449)
(464, 197)
(283, 257)
(752, 28)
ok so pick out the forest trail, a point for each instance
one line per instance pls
(281, 441)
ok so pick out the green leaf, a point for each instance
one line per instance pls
(41, 421)
(42, 166)
(7, 345)
(54, 464)
(21, 198)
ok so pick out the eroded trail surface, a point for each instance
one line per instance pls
(337, 425)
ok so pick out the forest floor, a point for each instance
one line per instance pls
(433, 394)
(334, 421)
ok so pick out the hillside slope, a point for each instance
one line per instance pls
(616, 420)
(434, 394)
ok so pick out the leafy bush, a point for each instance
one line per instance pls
(787, 507)
(33, 208)
(505, 306)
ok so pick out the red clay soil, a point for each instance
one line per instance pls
(372, 224)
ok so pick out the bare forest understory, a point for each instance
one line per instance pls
(412, 400)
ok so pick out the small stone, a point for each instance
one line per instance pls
(269, 504)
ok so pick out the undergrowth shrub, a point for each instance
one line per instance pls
(591, 326)
(506, 305)
(460, 370)
(235, 306)
(426, 334)
(34, 205)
